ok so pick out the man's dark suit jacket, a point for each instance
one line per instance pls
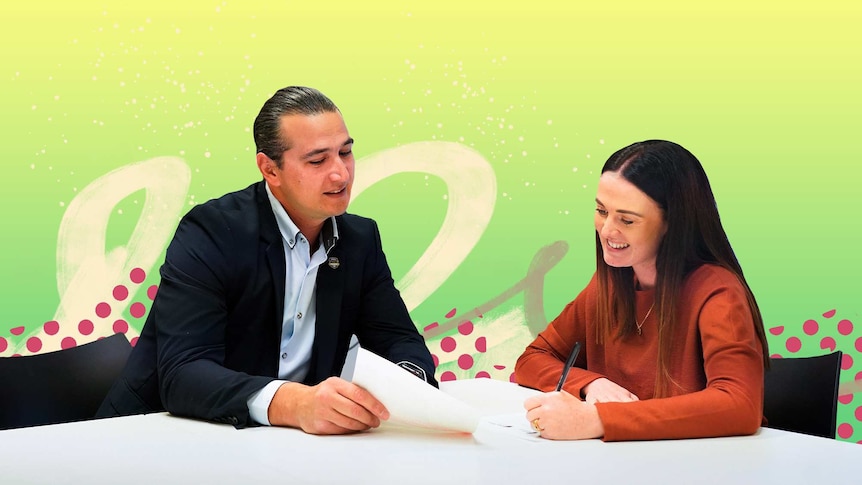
(213, 333)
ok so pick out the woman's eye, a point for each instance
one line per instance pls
(627, 222)
(602, 212)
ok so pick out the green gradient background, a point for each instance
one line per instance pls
(766, 94)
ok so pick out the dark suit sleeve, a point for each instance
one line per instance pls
(191, 314)
(384, 326)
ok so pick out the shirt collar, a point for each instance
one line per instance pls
(290, 232)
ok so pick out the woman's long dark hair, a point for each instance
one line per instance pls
(671, 176)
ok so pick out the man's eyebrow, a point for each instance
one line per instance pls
(621, 211)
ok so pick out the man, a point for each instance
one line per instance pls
(262, 289)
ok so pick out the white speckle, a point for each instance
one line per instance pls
(120, 211)
(524, 153)
(445, 196)
(62, 204)
(574, 169)
(207, 154)
(33, 107)
(601, 141)
(526, 184)
(505, 194)
(550, 122)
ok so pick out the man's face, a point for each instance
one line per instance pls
(316, 172)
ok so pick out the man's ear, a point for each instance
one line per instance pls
(267, 168)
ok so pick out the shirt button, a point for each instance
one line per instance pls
(290, 241)
(284, 355)
(299, 315)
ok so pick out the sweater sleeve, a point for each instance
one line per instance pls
(732, 401)
(541, 363)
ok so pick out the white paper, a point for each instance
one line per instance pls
(410, 400)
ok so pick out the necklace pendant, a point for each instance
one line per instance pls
(640, 332)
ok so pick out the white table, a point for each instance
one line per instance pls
(162, 449)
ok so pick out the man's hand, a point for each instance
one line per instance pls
(334, 406)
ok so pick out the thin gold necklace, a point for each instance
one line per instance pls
(640, 332)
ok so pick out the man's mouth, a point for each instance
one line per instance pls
(335, 192)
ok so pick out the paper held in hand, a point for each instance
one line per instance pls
(410, 400)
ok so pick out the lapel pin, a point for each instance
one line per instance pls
(334, 263)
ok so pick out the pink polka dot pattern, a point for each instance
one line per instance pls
(858, 413)
(464, 363)
(447, 376)
(776, 330)
(512, 377)
(151, 292)
(845, 430)
(121, 326)
(137, 309)
(448, 344)
(810, 327)
(846, 362)
(52, 327)
(483, 375)
(793, 344)
(120, 293)
(16, 330)
(845, 327)
(34, 344)
(845, 399)
(85, 327)
(134, 341)
(859, 344)
(137, 276)
(4, 344)
(829, 314)
(481, 345)
(67, 343)
(828, 343)
(103, 310)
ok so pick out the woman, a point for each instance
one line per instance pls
(672, 339)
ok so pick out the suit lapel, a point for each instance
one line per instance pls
(270, 239)
(330, 287)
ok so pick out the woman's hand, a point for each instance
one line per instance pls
(561, 416)
(605, 390)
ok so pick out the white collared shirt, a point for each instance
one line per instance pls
(300, 314)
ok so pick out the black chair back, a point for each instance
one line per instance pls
(801, 394)
(62, 386)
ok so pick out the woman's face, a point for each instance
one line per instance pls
(630, 225)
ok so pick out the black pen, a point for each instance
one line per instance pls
(569, 362)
